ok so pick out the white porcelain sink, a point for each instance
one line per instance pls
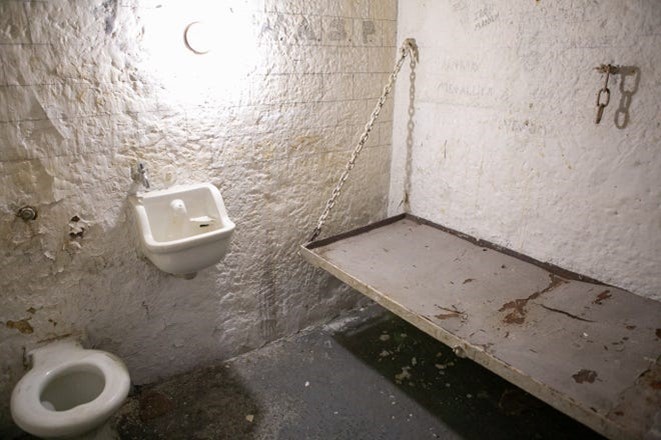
(184, 228)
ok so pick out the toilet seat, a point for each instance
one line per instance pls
(32, 416)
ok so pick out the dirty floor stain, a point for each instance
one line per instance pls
(343, 381)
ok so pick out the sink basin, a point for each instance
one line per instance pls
(184, 228)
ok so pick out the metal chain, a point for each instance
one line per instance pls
(410, 126)
(605, 91)
(408, 48)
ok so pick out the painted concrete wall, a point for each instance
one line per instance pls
(505, 146)
(269, 116)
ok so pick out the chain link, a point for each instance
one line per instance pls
(408, 48)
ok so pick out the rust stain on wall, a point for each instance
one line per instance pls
(21, 325)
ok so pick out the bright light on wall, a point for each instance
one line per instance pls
(199, 50)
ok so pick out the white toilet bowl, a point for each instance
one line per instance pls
(69, 390)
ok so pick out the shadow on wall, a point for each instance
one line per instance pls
(629, 82)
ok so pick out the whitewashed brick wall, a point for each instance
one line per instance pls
(86, 90)
(505, 147)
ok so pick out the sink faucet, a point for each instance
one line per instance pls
(139, 175)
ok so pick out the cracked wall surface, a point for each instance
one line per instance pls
(504, 144)
(269, 116)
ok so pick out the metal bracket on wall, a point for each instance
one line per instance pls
(27, 213)
(608, 68)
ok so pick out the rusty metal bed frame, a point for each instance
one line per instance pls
(590, 350)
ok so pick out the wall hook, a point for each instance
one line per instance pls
(608, 68)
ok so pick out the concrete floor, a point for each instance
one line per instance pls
(368, 375)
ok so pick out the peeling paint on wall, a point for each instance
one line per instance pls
(87, 89)
(21, 325)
